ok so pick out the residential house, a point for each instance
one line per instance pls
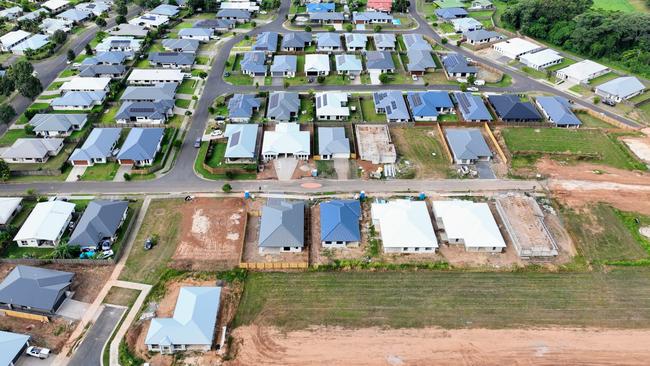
(287, 140)
(129, 30)
(332, 106)
(99, 223)
(317, 65)
(482, 36)
(266, 41)
(57, 125)
(141, 146)
(450, 4)
(75, 16)
(166, 10)
(250, 6)
(253, 63)
(380, 5)
(348, 65)
(557, 110)
(463, 25)
(155, 76)
(13, 38)
(12, 346)
(514, 48)
(85, 84)
(151, 93)
(404, 226)
(419, 62)
(355, 41)
(217, 25)
(284, 66)
(172, 60)
(200, 34)
(237, 15)
(384, 41)
(181, 45)
(339, 223)
(426, 106)
(320, 7)
(374, 144)
(371, 17)
(541, 59)
(37, 14)
(283, 106)
(9, 208)
(379, 61)
(33, 43)
(328, 42)
(468, 223)
(392, 104)
(30, 150)
(451, 13)
(472, 107)
(242, 143)
(129, 45)
(102, 71)
(52, 25)
(327, 18)
(155, 113)
(620, 89)
(56, 6)
(45, 225)
(106, 58)
(332, 143)
(34, 289)
(98, 147)
(11, 13)
(96, 8)
(295, 41)
(242, 106)
(467, 145)
(481, 5)
(509, 108)
(150, 21)
(415, 42)
(78, 100)
(456, 66)
(282, 227)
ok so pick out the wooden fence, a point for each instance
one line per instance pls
(605, 118)
(444, 143)
(29, 316)
(488, 131)
(274, 265)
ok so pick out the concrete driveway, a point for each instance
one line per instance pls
(119, 176)
(25, 360)
(374, 77)
(484, 170)
(90, 350)
(72, 309)
(342, 168)
(77, 171)
(284, 167)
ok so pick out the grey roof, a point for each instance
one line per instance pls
(296, 40)
(91, 71)
(215, 24)
(196, 32)
(369, 16)
(141, 144)
(622, 87)
(328, 39)
(57, 122)
(559, 110)
(482, 34)
(282, 105)
(509, 107)
(157, 110)
(242, 105)
(164, 91)
(456, 63)
(11, 346)
(78, 98)
(184, 45)
(254, 61)
(392, 101)
(379, 60)
(326, 17)
(266, 41)
(33, 287)
(234, 13)
(451, 13)
(348, 63)
(177, 58)
(242, 139)
(283, 224)
(284, 63)
(165, 9)
(472, 107)
(107, 57)
(100, 220)
(419, 60)
(98, 144)
(415, 41)
(33, 15)
(74, 15)
(467, 143)
(332, 140)
(32, 148)
(355, 40)
(384, 40)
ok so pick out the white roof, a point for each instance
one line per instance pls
(583, 70)
(317, 63)
(55, 4)
(404, 223)
(330, 104)
(80, 83)
(150, 19)
(46, 221)
(14, 37)
(7, 207)
(156, 74)
(516, 46)
(542, 57)
(287, 138)
(471, 221)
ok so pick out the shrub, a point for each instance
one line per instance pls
(127, 177)
(226, 188)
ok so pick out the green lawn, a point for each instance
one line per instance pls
(67, 73)
(14, 251)
(11, 136)
(603, 79)
(202, 60)
(505, 81)
(368, 109)
(101, 172)
(537, 74)
(565, 62)
(446, 27)
(418, 146)
(109, 115)
(306, 110)
(198, 167)
(591, 121)
(182, 103)
(187, 86)
(614, 5)
(142, 64)
(239, 79)
(580, 89)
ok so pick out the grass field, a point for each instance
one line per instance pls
(603, 79)
(187, 87)
(11, 136)
(101, 172)
(591, 121)
(620, 5)
(182, 103)
(617, 299)
(368, 109)
(417, 146)
(121, 296)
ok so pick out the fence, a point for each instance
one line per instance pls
(444, 143)
(605, 118)
(20, 314)
(495, 142)
(161, 164)
(274, 265)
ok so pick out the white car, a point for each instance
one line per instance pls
(472, 89)
(38, 352)
(216, 133)
(414, 77)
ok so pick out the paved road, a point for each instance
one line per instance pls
(90, 350)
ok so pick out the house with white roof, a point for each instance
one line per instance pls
(9, 208)
(32, 151)
(155, 76)
(51, 25)
(33, 43)
(581, 72)
(463, 25)
(514, 48)
(317, 65)
(96, 8)
(332, 106)
(45, 225)
(11, 39)
(85, 84)
(126, 44)
(11, 13)
(468, 223)
(541, 59)
(287, 140)
(150, 21)
(404, 226)
(56, 6)
(621, 89)
(74, 15)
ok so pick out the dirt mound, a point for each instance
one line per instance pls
(591, 172)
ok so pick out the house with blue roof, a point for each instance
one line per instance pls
(254, 63)
(392, 104)
(426, 106)
(451, 13)
(242, 143)
(456, 66)
(141, 146)
(282, 227)
(328, 41)
(509, 108)
(557, 110)
(97, 148)
(12, 346)
(339, 223)
(242, 106)
(266, 41)
(320, 7)
(472, 107)
(192, 327)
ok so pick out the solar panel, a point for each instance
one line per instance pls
(393, 104)
(142, 110)
(417, 100)
(234, 139)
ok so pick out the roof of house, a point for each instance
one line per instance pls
(156, 75)
(425, 104)
(51, 25)
(177, 58)
(467, 143)
(472, 107)
(481, 34)
(156, 110)
(254, 61)
(78, 98)
(11, 12)
(332, 140)
(185, 45)
(26, 148)
(379, 60)
(242, 105)
(234, 13)
(283, 224)
(517, 46)
(284, 63)
(450, 3)
(456, 63)
(106, 57)
(419, 60)
(101, 219)
(91, 71)
(339, 220)
(583, 70)
(7, 207)
(79, 83)
(161, 91)
(266, 41)
(11, 345)
(384, 40)
(193, 322)
(14, 36)
(150, 19)
(355, 40)
(165, 9)
(287, 138)
(196, 32)
(54, 4)
(97, 7)
(127, 29)
(331, 104)
(215, 23)
(242, 139)
(451, 13)
(317, 62)
(510, 107)
(392, 101)
(464, 24)
(558, 109)
(74, 15)
(415, 41)
(346, 62)
(368, 16)
(33, 15)
(98, 144)
(622, 86)
(295, 39)
(57, 122)
(471, 221)
(320, 7)
(328, 39)
(46, 221)
(141, 144)
(119, 42)
(35, 287)
(282, 105)
(541, 57)
(382, 5)
(404, 223)
(34, 42)
(326, 16)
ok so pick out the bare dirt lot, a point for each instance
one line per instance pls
(431, 346)
(640, 146)
(52, 335)
(592, 172)
(212, 234)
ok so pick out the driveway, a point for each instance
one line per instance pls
(484, 169)
(342, 167)
(25, 360)
(284, 167)
(72, 309)
(76, 172)
(119, 176)
(374, 77)
(90, 350)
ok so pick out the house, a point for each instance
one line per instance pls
(253, 63)
(468, 223)
(282, 227)
(557, 110)
(141, 146)
(374, 144)
(415, 42)
(155, 113)
(30, 150)
(192, 327)
(509, 108)
(463, 25)
(348, 65)
(242, 106)
(11, 13)
(152, 93)
(317, 65)
(9, 208)
(451, 13)
(57, 125)
(33, 43)
(99, 223)
(13, 38)
(284, 66)
(339, 223)
(482, 36)
(426, 106)
(102, 71)
(295, 41)
(332, 143)
(155, 76)
(391, 103)
(237, 15)
(355, 41)
(472, 107)
(55, 6)
(85, 84)
(419, 62)
(405, 226)
(514, 48)
(200, 34)
(34, 289)
(129, 30)
(150, 21)
(379, 61)
(456, 66)
(467, 145)
(481, 5)
(78, 100)
(450, 4)
(119, 43)
(327, 18)
(75, 16)
(320, 7)
(541, 59)
(172, 60)
(51, 25)
(181, 45)
(34, 15)
(97, 148)
(332, 106)
(242, 143)
(384, 41)
(12, 346)
(266, 41)
(328, 42)
(620, 89)
(250, 6)
(371, 17)
(380, 5)
(166, 10)
(217, 25)
(106, 58)
(96, 8)
(283, 106)
(287, 140)
(45, 225)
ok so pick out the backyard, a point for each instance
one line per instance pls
(101, 172)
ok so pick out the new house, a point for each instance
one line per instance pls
(266, 42)
(463, 25)
(283, 106)
(45, 225)
(379, 61)
(468, 223)
(392, 104)
(155, 76)
(514, 48)
(472, 107)
(426, 106)
(9, 208)
(374, 144)
(332, 143)
(404, 226)
(130, 45)
(467, 145)
(99, 223)
(181, 45)
(371, 17)
(332, 106)
(78, 100)
(456, 66)
(30, 150)
(253, 63)
(451, 13)
(282, 227)
(97, 148)
(296, 41)
(509, 108)
(339, 223)
(155, 113)
(55, 6)
(141, 146)
(242, 143)
(236, 15)
(56, 125)
(327, 18)
(172, 60)
(287, 140)
(482, 36)
(348, 65)
(199, 34)
(620, 89)
(541, 59)
(557, 110)
(86, 84)
(419, 62)
(415, 42)
(328, 42)
(150, 21)
(13, 38)
(355, 41)
(166, 10)
(102, 71)
(317, 65)
(12, 346)
(284, 66)
(151, 93)
(33, 289)
(242, 106)
(384, 41)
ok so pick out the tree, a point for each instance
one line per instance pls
(70, 55)
(471, 79)
(320, 79)
(31, 88)
(307, 29)
(4, 171)
(88, 49)
(7, 112)
(120, 19)
(62, 251)
(20, 71)
(100, 22)
(596, 99)
(59, 37)
(349, 27)
(122, 10)
(377, 28)
(384, 78)
(444, 41)
(226, 188)
(7, 85)
(463, 87)
(29, 129)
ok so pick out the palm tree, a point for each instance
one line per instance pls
(62, 251)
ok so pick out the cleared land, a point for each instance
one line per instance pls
(421, 147)
(620, 5)
(121, 296)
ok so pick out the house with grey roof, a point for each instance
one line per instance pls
(127, 29)
(283, 106)
(172, 60)
(152, 93)
(295, 41)
(242, 147)
(199, 34)
(97, 148)
(33, 43)
(156, 112)
(284, 66)
(96, 8)
(218, 25)
(181, 45)
(426, 106)
(52, 25)
(327, 18)
(11, 13)
(242, 106)
(392, 104)
(416, 42)
(384, 41)
(510, 108)
(620, 89)
(254, 63)
(237, 15)
(371, 17)
(328, 42)
(348, 64)
(102, 71)
(456, 66)
(99, 223)
(419, 62)
(57, 125)
(557, 110)
(12, 346)
(472, 107)
(35, 290)
(467, 145)
(31, 150)
(37, 14)
(332, 143)
(380, 61)
(141, 146)
(166, 10)
(482, 36)
(282, 227)
(78, 100)
(106, 58)
(130, 45)
(266, 42)
(355, 41)
(463, 25)
(339, 223)
(9, 208)
(75, 16)
(451, 13)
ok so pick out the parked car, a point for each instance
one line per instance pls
(472, 89)
(216, 133)
(414, 77)
(197, 142)
(38, 352)
(609, 102)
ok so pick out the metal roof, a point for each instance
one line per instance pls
(509, 107)
(332, 140)
(339, 220)
(392, 101)
(266, 41)
(8, 206)
(11, 345)
(38, 288)
(558, 110)
(470, 221)
(283, 224)
(242, 139)
(242, 105)
(467, 143)
(379, 60)
(621, 87)
(426, 104)
(98, 144)
(282, 105)
(58, 122)
(472, 107)
(141, 144)
(100, 220)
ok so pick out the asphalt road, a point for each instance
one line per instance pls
(90, 350)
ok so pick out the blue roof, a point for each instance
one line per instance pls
(451, 13)
(141, 144)
(510, 108)
(97, 145)
(254, 61)
(241, 140)
(472, 107)
(242, 105)
(320, 7)
(11, 345)
(266, 41)
(427, 104)
(196, 32)
(558, 110)
(339, 220)
(165, 9)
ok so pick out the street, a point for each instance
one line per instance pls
(90, 350)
